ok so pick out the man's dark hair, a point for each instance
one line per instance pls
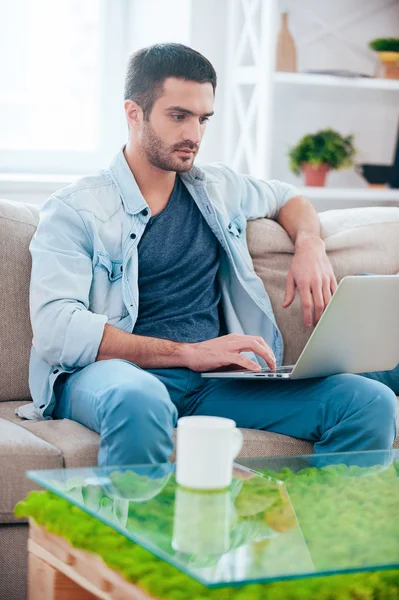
(149, 67)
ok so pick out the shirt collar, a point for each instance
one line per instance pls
(131, 195)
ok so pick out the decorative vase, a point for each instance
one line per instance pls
(390, 62)
(285, 52)
(315, 175)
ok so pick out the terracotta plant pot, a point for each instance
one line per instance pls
(315, 175)
(390, 61)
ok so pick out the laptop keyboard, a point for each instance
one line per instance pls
(287, 369)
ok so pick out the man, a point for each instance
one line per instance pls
(141, 279)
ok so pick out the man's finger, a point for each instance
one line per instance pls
(318, 302)
(326, 291)
(252, 345)
(307, 304)
(289, 290)
(267, 354)
(264, 344)
(243, 361)
(333, 284)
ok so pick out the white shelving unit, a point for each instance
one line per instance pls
(357, 83)
(256, 93)
(385, 195)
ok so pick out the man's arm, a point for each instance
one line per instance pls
(151, 353)
(260, 198)
(65, 332)
(311, 271)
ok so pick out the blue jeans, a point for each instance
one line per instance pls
(136, 410)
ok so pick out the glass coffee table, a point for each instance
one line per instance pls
(281, 518)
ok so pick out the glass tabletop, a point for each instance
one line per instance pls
(281, 518)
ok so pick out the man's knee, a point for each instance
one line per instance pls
(137, 418)
(141, 396)
(374, 402)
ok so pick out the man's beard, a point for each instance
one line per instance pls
(162, 156)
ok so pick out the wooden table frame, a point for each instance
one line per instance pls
(58, 571)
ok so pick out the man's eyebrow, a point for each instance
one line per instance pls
(188, 112)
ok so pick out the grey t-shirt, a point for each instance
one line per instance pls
(179, 295)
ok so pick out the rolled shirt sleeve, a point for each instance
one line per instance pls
(65, 331)
(264, 198)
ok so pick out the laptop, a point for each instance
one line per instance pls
(357, 333)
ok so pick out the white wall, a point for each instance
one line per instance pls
(371, 115)
(156, 21)
(209, 36)
(200, 24)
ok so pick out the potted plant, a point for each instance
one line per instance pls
(317, 153)
(388, 53)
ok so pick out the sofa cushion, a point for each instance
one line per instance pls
(360, 240)
(7, 411)
(21, 450)
(78, 445)
(18, 222)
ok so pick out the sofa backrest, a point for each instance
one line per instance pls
(357, 240)
(18, 222)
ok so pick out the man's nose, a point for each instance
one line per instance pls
(193, 133)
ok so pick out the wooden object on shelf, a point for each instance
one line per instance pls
(286, 52)
(58, 571)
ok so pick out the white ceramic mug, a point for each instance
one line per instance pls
(206, 448)
(201, 523)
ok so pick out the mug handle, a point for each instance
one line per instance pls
(237, 442)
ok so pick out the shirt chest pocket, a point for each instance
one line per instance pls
(113, 268)
(236, 227)
(106, 295)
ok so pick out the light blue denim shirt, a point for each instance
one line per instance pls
(85, 265)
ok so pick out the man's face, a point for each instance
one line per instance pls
(171, 137)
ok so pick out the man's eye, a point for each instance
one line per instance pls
(178, 117)
(203, 120)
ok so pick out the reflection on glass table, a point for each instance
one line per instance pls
(281, 517)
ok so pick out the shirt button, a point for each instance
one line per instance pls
(55, 372)
(121, 268)
(133, 236)
(144, 212)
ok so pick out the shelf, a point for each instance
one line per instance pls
(250, 75)
(332, 81)
(351, 194)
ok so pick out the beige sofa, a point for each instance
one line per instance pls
(357, 240)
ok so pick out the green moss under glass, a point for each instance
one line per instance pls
(329, 485)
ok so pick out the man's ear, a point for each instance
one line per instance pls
(134, 114)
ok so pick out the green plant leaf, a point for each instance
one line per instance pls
(385, 44)
(324, 147)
